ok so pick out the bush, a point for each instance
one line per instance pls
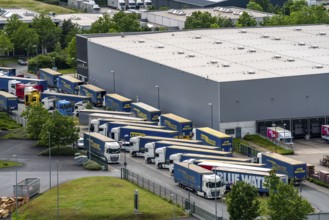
(318, 182)
(6, 123)
(52, 2)
(61, 151)
(92, 165)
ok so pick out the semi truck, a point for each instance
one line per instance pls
(106, 129)
(138, 143)
(139, 4)
(145, 111)
(4, 82)
(279, 134)
(64, 107)
(117, 4)
(85, 114)
(8, 71)
(201, 181)
(147, 3)
(102, 146)
(94, 92)
(8, 102)
(117, 102)
(51, 76)
(213, 137)
(95, 119)
(294, 169)
(130, 4)
(180, 157)
(31, 96)
(68, 84)
(162, 154)
(325, 133)
(177, 123)
(230, 176)
(210, 165)
(68, 97)
(18, 89)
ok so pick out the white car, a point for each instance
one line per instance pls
(78, 144)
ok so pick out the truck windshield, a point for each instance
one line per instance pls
(148, 3)
(113, 151)
(122, 4)
(146, 150)
(213, 185)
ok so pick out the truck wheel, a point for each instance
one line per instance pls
(160, 166)
(134, 154)
(148, 160)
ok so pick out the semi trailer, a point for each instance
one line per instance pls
(177, 123)
(213, 137)
(145, 111)
(117, 102)
(51, 76)
(8, 102)
(95, 93)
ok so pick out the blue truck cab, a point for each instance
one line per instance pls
(51, 76)
(177, 123)
(117, 102)
(213, 137)
(94, 92)
(145, 111)
(65, 107)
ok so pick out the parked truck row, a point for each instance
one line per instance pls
(129, 4)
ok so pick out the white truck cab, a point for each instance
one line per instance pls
(112, 152)
(149, 152)
(212, 186)
(12, 86)
(147, 4)
(139, 4)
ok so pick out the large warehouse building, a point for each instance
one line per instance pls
(239, 80)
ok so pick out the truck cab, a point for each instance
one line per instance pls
(64, 107)
(131, 4)
(280, 134)
(112, 152)
(149, 152)
(147, 4)
(174, 158)
(12, 86)
(31, 96)
(121, 6)
(139, 4)
(159, 159)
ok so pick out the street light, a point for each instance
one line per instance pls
(16, 211)
(89, 141)
(173, 205)
(57, 162)
(215, 197)
(125, 137)
(158, 88)
(223, 205)
(54, 64)
(188, 187)
(284, 133)
(113, 74)
(49, 159)
(211, 114)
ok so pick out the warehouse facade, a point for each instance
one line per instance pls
(238, 80)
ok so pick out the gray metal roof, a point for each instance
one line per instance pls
(233, 54)
(201, 3)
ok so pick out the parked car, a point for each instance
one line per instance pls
(78, 144)
(22, 62)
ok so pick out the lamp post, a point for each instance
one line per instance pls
(211, 114)
(89, 141)
(158, 88)
(57, 162)
(36, 49)
(215, 197)
(125, 151)
(49, 159)
(284, 132)
(188, 185)
(54, 64)
(222, 206)
(16, 211)
(113, 75)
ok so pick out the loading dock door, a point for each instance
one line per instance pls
(299, 128)
(315, 126)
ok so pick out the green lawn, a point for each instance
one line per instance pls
(6, 123)
(263, 205)
(68, 71)
(34, 6)
(7, 61)
(7, 163)
(19, 133)
(98, 198)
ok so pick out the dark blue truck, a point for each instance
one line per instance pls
(67, 97)
(117, 102)
(214, 138)
(68, 84)
(50, 75)
(177, 123)
(5, 79)
(294, 169)
(8, 102)
(8, 71)
(94, 92)
(145, 111)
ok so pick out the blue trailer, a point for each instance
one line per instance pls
(255, 178)
(94, 92)
(68, 97)
(68, 84)
(138, 143)
(117, 102)
(183, 157)
(8, 71)
(8, 102)
(201, 181)
(5, 79)
(162, 154)
(177, 123)
(294, 169)
(50, 75)
(214, 138)
(101, 146)
(145, 111)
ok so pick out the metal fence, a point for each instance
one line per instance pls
(276, 142)
(246, 150)
(318, 216)
(183, 202)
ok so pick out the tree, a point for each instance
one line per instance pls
(62, 130)
(5, 44)
(245, 20)
(69, 30)
(297, 5)
(254, 6)
(266, 5)
(102, 25)
(26, 39)
(49, 33)
(71, 51)
(126, 22)
(13, 24)
(284, 201)
(36, 116)
(224, 22)
(242, 202)
(200, 19)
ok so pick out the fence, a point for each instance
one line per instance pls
(171, 196)
(318, 216)
(245, 149)
(276, 142)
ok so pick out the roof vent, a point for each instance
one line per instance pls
(277, 56)
(314, 46)
(251, 51)
(277, 38)
(318, 66)
(141, 41)
(265, 36)
(240, 47)
(291, 59)
(197, 37)
(213, 61)
(180, 52)
(190, 55)
(322, 33)
(251, 72)
(225, 65)
(301, 43)
(297, 29)
(218, 42)
(160, 46)
(243, 31)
